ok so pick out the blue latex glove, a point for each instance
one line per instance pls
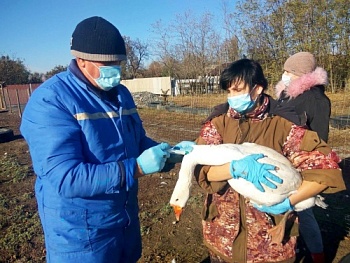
(253, 171)
(183, 146)
(276, 209)
(153, 159)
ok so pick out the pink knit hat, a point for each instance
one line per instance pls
(300, 63)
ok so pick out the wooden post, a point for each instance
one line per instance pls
(2, 97)
(10, 103)
(30, 91)
(18, 104)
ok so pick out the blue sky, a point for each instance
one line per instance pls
(39, 31)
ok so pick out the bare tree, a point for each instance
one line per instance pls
(265, 30)
(165, 48)
(278, 28)
(230, 49)
(188, 46)
(137, 52)
(154, 69)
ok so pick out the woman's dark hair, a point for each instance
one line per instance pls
(246, 70)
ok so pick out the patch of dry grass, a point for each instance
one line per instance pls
(199, 101)
(340, 103)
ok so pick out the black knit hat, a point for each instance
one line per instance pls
(96, 39)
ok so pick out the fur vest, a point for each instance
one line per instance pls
(306, 82)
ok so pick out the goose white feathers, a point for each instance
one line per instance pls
(224, 153)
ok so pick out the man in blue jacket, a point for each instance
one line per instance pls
(88, 147)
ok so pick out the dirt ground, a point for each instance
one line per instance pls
(163, 241)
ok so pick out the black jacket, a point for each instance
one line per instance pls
(305, 98)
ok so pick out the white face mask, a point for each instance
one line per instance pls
(286, 79)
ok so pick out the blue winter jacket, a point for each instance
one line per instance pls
(84, 143)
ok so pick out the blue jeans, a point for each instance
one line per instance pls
(310, 231)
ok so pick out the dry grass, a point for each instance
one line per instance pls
(199, 101)
(340, 103)
(339, 140)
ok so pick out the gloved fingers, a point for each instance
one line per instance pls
(160, 161)
(268, 183)
(256, 156)
(276, 209)
(185, 143)
(186, 149)
(162, 149)
(180, 150)
(267, 166)
(259, 186)
(164, 146)
(153, 159)
(273, 177)
(185, 146)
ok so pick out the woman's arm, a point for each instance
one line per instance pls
(306, 190)
(219, 173)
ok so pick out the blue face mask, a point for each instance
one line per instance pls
(241, 103)
(109, 77)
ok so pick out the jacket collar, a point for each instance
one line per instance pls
(73, 67)
(302, 84)
(259, 112)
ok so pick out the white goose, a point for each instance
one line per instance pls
(224, 153)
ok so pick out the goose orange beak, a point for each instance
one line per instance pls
(177, 211)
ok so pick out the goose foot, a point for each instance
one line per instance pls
(277, 232)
